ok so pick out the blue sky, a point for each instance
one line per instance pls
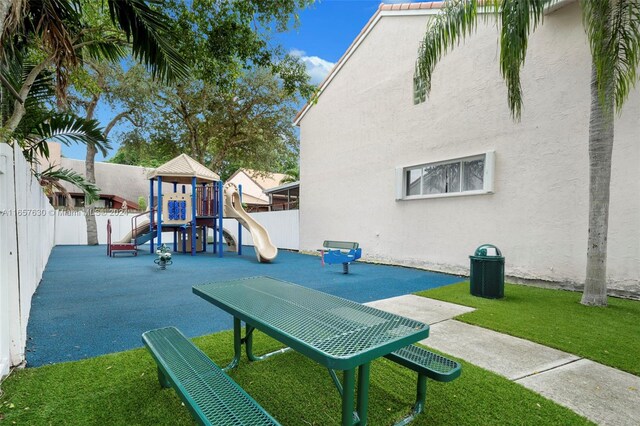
(325, 31)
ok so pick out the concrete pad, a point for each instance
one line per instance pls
(602, 394)
(500, 353)
(419, 308)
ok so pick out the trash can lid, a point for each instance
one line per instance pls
(488, 250)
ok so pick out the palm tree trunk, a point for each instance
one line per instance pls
(600, 153)
(90, 174)
(90, 218)
(18, 105)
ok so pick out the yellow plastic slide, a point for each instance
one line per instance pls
(265, 250)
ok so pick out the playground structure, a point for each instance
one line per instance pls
(189, 216)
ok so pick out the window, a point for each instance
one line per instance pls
(461, 176)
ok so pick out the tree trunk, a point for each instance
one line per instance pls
(18, 105)
(90, 175)
(89, 211)
(600, 151)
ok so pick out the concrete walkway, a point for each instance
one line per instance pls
(602, 394)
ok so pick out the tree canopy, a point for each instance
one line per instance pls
(248, 126)
(237, 108)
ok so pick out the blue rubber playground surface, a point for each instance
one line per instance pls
(89, 304)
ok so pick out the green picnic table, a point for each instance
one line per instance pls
(337, 333)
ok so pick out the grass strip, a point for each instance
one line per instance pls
(122, 389)
(555, 318)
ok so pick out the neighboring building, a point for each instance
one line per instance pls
(425, 184)
(117, 182)
(284, 197)
(254, 183)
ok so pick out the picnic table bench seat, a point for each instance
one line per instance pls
(344, 252)
(426, 364)
(210, 394)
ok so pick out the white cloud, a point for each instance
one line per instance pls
(317, 68)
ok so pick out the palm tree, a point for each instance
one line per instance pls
(613, 31)
(64, 36)
(34, 133)
(292, 175)
(67, 33)
(40, 124)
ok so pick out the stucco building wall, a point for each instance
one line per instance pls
(365, 125)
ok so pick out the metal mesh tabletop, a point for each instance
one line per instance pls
(335, 332)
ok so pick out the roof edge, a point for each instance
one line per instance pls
(283, 186)
(395, 9)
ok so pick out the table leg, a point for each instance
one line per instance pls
(363, 393)
(237, 344)
(348, 394)
(248, 341)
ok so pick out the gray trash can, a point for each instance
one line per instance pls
(487, 272)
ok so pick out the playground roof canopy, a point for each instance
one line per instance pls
(181, 169)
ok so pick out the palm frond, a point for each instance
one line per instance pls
(42, 88)
(625, 48)
(32, 152)
(10, 71)
(149, 30)
(459, 18)
(52, 20)
(51, 178)
(596, 17)
(518, 19)
(67, 129)
(109, 48)
(13, 20)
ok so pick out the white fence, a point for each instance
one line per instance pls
(71, 228)
(283, 228)
(26, 239)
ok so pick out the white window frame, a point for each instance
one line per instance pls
(487, 180)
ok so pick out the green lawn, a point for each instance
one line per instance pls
(122, 389)
(556, 318)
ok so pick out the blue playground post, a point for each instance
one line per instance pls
(240, 225)
(220, 218)
(159, 234)
(214, 206)
(151, 212)
(175, 231)
(194, 200)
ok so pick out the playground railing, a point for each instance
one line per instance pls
(134, 222)
(206, 200)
